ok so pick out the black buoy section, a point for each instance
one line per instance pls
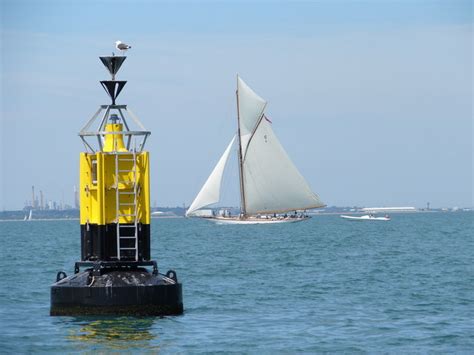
(116, 275)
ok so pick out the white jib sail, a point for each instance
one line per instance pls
(272, 182)
(250, 107)
(210, 192)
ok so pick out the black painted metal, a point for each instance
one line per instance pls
(113, 88)
(100, 267)
(99, 242)
(113, 63)
(116, 292)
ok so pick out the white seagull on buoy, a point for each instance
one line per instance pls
(122, 46)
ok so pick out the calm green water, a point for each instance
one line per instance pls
(323, 285)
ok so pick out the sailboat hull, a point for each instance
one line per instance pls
(255, 220)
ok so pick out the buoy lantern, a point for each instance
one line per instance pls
(118, 276)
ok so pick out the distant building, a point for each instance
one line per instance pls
(388, 209)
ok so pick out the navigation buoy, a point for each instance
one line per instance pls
(118, 276)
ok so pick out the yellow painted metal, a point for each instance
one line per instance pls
(99, 183)
(144, 163)
(114, 142)
(85, 196)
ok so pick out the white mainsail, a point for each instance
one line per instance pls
(250, 107)
(210, 192)
(272, 182)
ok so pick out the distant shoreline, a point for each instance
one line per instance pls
(40, 219)
(314, 214)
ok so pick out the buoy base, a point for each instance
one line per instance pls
(117, 291)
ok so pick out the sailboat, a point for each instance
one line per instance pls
(272, 190)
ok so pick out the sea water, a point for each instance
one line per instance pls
(325, 285)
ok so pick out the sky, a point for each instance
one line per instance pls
(373, 100)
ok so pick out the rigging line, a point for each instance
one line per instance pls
(255, 129)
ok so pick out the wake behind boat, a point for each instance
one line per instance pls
(368, 217)
(270, 184)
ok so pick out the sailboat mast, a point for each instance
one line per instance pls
(241, 168)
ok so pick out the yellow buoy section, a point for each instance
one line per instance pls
(114, 184)
(113, 140)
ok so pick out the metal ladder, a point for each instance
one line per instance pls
(126, 232)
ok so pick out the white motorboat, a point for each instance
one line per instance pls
(367, 217)
(270, 184)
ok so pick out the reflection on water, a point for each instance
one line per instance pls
(113, 332)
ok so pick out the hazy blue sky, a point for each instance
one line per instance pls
(371, 99)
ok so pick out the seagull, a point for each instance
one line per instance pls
(122, 46)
